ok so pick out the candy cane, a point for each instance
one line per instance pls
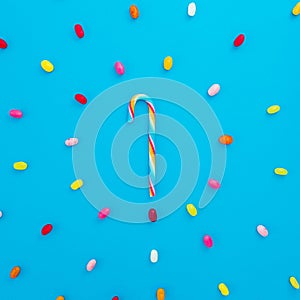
(151, 133)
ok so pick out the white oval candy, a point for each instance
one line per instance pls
(91, 265)
(192, 9)
(1, 213)
(71, 142)
(154, 256)
(214, 89)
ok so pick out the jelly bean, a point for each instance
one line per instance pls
(273, 109)
(239, 40)
(15, 113)
(15, 272)
(119, 67)
(160, 294)
(192, 210)
(192, 9)
(294, 282)
(77, 184)
(281, 171)
(46, 229)
(207, 240)
(223, 289)
(80, 98)
(71, 142)
(214, 184)
(226, 139)
(3, 44)
(168, 63)
(1, 214)
(79, 31)
(262, 230)
(296, 9)
(115, 298)
(154, 256)
(152, 215)
(214, 90)
(103, 213)
(91, 265)
(47, 66)
(60, 298)
(134, 11)
(20, 165)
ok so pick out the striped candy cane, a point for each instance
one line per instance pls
(151, 133)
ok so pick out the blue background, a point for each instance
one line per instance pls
(262, 72)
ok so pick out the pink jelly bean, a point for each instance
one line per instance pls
(71, 142)
(152, 215)
(91, 265)
(207, 240)
(214, 183)
(119, 68)
(103, 213)
(214, 90)
(15, 113)
(262, 230)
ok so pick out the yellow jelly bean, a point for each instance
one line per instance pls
(281, 171)
(296, 9)
(273, 109)
(20, 165)
(223, 289)
(168, 63)
(47, 66)
(192, 210)
(294, 283)
(77, 184)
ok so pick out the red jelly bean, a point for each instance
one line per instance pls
(152, 215)
(115, 298)
(239, 40)
(207, 240)
(81, 98)
(46, 229)
(3, 44)
(79, 31)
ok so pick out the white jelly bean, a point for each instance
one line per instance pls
(192, 9)
(154, 256)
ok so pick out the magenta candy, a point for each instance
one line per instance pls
(119, 68)
(152, 215)
(15, 113)
(103, 213)
(207, 240)
(214, 183)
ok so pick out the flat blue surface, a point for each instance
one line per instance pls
(262, 72)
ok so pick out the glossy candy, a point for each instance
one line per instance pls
(262, 230)
(152, 215)
(46, 229)
(60, 298)
(47, 66)
(214, 184)
(20, 165)
(15, 272)
(239, 40)
(223, 289)
(207, 240)
(71, 142)
(15, 113)
(134, 11)
(273, 109)
(1, 214)
(3, 44)
(296, 9)
(294, 282)
(80, 98)
(115, 298)
(160, 294)
(79, 31)
(168, 63)
(214, 90)
(77, 184)
(192, 9)
(226, 139)
(191, 209)
(281, 171)
(119, 67)
(154, 256)
(91, 265)
(103, 213)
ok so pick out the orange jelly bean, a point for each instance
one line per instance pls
(160, 294)
(134, 11)
(15, 271)
(226, 139)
